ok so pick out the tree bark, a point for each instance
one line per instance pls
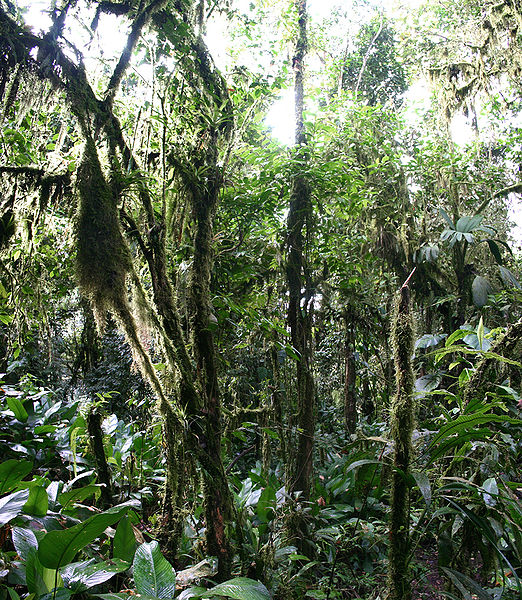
(350, 397)
(299, 318)
(401, 423)
(192, 405)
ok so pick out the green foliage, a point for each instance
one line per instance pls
(374, 69)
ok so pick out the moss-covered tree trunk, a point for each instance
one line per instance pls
(299, 319)
(402, 419)
(350, 397)
(189, 403)
(217, 499)
(94, 429)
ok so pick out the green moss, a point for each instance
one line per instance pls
(102, 260)
(402, 419)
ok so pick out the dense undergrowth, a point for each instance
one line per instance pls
(60, 538)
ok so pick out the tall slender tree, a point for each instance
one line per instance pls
(300, 304)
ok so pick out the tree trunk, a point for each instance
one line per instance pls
(102, 468)
(299, 319)
(401, 424)
(217, 499)
(350, 397)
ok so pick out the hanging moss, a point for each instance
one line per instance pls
(102, 260)
(402, 421)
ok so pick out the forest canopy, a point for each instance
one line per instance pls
(236, 367)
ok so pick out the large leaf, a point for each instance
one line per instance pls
(428, 383)
(240, 588)
(12, 472)
(18, 409)
(490, 492)
(124, 543)
(34, 574)
(509, 278)
(153, 574)
(58, 548)
(266, 504)
(468, 224)
(480, 289)
(78, 495)
(11, 506)
(495, 250)
(81, 576)
(421, 479)
(24, 541)
(446, 217)
(429, 340)
(38, 502)
(466, 585)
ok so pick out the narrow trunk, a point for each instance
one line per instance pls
(402, 420)
(299, 215)
(102, 468)
(350, 398)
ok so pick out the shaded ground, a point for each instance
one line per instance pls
(429, 582)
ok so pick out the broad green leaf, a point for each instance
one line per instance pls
(153, 574)
(509, 278)
(428, 340)
(468, 587)
(78, 495)
(18, 409)
(81, 576)
(11, 506)
(58, 548)
(449, 235)
(194, 591)
(38, 502)
(24, 541)
(12, 472)
(490, 492)
(359, 463)
(39, 429)
(266, 504)
(446, 217)
(34, 574)
(124, 543)
(421, 479)
(468, 224)
(480, 289)
(439, 354)
(428, 383)
(240, 588)
(456, 335)
(495, 250)
(13, 595)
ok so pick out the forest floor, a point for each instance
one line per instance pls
(430, 583)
